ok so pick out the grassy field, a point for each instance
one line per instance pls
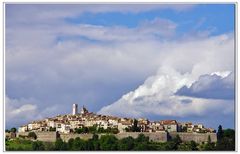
(18, 144)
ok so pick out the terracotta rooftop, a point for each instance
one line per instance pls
(168, 122)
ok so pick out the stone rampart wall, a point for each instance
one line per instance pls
(46, 136)
(154, 136)
(197, 137)
(22, 134)
(66, 137)
(42, 136)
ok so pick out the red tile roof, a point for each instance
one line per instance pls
(168, 122)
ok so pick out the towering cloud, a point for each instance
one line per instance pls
(211, 86)
(193, 80)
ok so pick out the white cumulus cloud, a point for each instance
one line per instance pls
(181, 66)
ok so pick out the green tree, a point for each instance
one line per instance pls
(60, 145)
(227, 141)
(52, 129)
(7, 131)
(220, 132)
(37, 146)
(78, 130)
(32, 135)
(142, 138)
(225, 145)
(127, 129)
(70, 143)
(135, 127)
(96, 145)
(184, 129)
(188, 146)
(209, 146)
(177, 140)
(79, 144)
(76, 143)
(14, 130)
(93, 129)
(229, 133)
(95, 142)
(90, 145)
(115, 130)
(184, 147)
(141, 143)
(194, 145)
(85, 130)
(95, 137)
(49, 146)
(141, 147)
(173, 143)
(108, 142)
(126, 143)
(108, 130)
(101, 130)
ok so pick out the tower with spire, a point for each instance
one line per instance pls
(83, 110)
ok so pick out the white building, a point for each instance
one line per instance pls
(113, 123)
(200, 126)
(34, 126)
(169, 125)
(23, 128)
(75, 109)
(63, 128)
(156, 127)
(76, 124)
(51, 123)
(123, 125)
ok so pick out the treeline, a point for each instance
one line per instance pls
(13, 130)
(226, 142)
(104, 143)
(226, 139)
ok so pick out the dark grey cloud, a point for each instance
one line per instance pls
(210, 86)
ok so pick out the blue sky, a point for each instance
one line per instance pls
(155, 61)
(219, 16)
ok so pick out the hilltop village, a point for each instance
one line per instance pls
(70, 123)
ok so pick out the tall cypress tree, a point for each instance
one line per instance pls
(219, 133)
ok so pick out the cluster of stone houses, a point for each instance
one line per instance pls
(68, 123)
